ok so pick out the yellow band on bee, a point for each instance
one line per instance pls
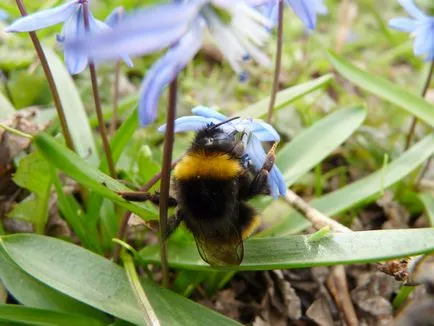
(254, 224)
(197, 164)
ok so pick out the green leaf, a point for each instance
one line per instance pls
(34, 175)
(33, 316)
(385, 89)
(121, 139)
(309, 148)
(297, 251)
(89, 176)
(33, 293)
(99, 282)
(428, 201)
(74, 216)
(366, 189)
(285, 97)
(6, 108)
(317, 142)
(75, 113)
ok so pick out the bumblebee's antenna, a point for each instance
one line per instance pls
(222, 123)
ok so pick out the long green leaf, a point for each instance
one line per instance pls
(99, 282)
(310, 147)
(428, 201)
(286, 97)
(40, 317)
(31, 292)
(297, 251)
(74, 166)
(383, 88)
(365, 189)
(75, 113)
(317, 142)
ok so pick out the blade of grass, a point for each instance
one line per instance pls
(89, 176)
(285, 97)
(366, 189)
(384, 89)
(34, 316)
(297, 251)
(99, 282)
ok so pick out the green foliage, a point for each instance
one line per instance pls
(97, 282)
(297, 251)
(34, 175)
(335, 141)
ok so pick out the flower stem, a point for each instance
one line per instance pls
(96, 97)
(423, 93)
(278, 62)
(115, 98)
(50, 80)
(165, 179)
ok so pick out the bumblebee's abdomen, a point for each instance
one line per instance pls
(207, 198)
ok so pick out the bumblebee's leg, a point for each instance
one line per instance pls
(249, 220)
(144, 196)
(259, 184)
(172, 223)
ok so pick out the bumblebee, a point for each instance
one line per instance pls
(212, 184)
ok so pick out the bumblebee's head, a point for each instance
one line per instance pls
(212, 138)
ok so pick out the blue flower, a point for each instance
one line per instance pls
(256, 131)
(420, 26)
(306, 10)
(71, 14)
(181, 26)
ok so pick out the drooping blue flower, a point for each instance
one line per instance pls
(306, 10)
(71, 14)
(421, 27)
(181, 26)
(256, 131)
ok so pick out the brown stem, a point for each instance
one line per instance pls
(115, 98)
(277, 63)
(165, 179)
(50, 80)
(423, 93)
(96, 97)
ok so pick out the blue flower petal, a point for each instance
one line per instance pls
(424, 40)
(146, 31)
(43, 18)
(306, 11)
(97, 26)
(206, 112)
(166, 69)
(115, 16)
(412, 9)
(76, 62)
(257, 155)
(189, 123)
(262, 130)
(403, 24)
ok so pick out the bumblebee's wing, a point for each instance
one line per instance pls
(220, 246)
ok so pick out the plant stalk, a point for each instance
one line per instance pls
(165, 179)
(278, 62)
(96, 97)
(50, 80)
(115, 98)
